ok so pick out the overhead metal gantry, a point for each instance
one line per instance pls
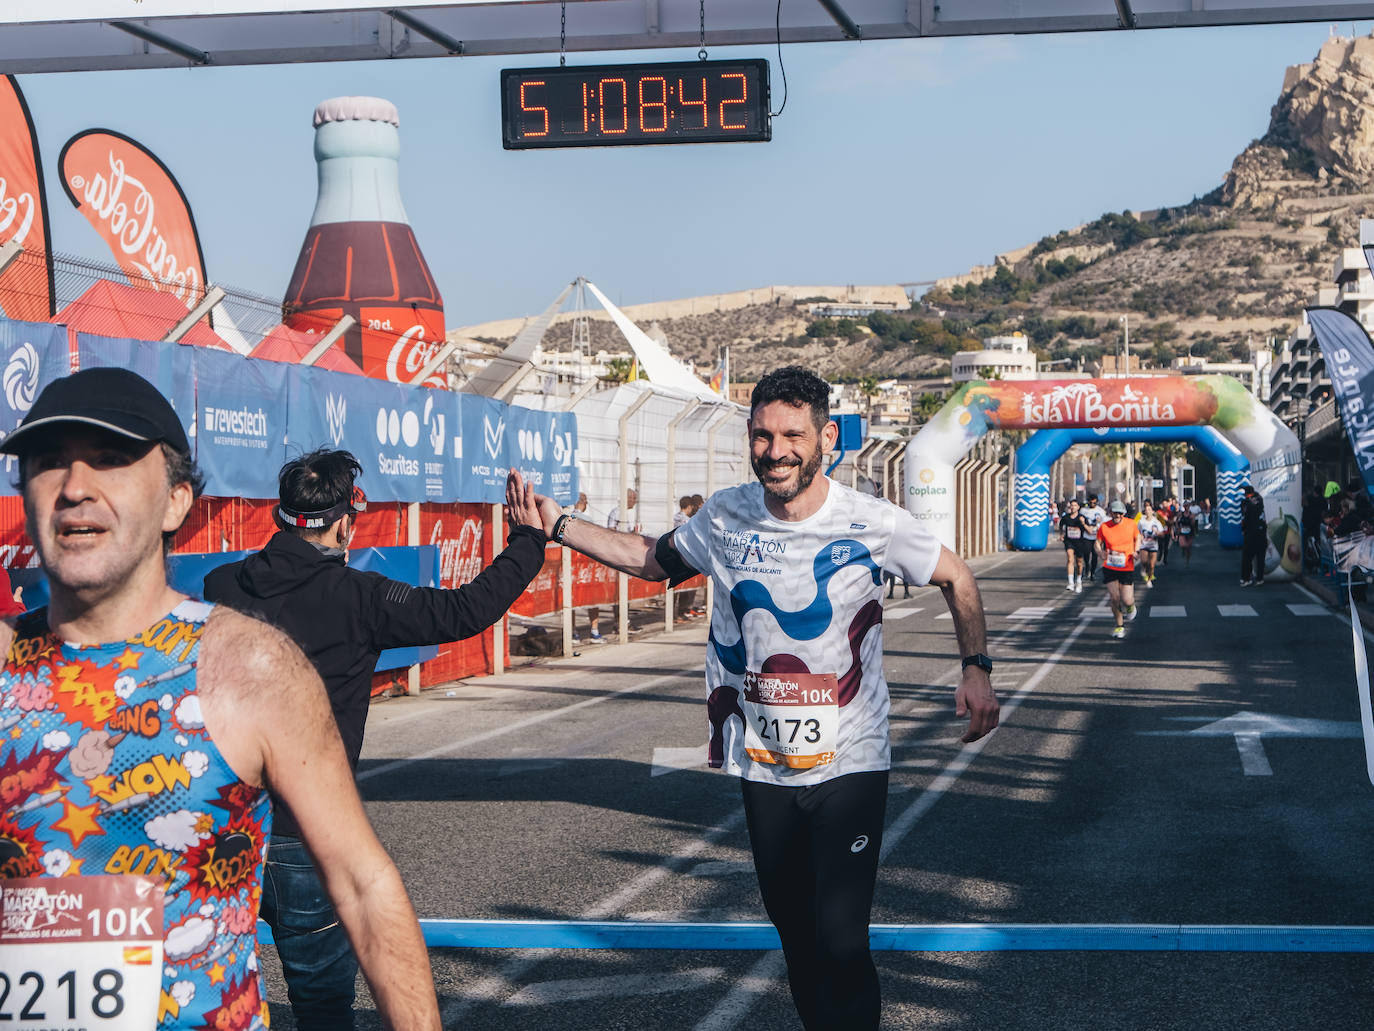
(84, 35)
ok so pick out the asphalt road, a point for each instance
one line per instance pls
(1207, 770)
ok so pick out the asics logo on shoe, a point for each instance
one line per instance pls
(860, 843)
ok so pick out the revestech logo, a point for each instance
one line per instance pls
(244, 422)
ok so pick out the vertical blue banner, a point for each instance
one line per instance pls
(485, 450)
(240, 424)
(35, 354)
(542, 445)
(1349, 355)
(562, 456)
(166, 366)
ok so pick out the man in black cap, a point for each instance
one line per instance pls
(343, 619)
(121, 675)
(1254, 540)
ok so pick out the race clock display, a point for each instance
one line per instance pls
(627, 105)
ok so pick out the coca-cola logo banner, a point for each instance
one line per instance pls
(133, 202)
(26, 287)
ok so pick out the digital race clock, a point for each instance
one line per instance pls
(621, 105)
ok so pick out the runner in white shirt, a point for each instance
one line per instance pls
(1094, 515)
(797, 703)
(1151, 530)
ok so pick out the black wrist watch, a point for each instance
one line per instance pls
(980, 660)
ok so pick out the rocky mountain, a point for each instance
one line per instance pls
(1218, 277)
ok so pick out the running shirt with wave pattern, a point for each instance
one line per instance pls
(106, 768)
(801, 598)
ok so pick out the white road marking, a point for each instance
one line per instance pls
(1099, 612)
(619, 986)
(1338, 615)
(944, 615)
(1031, 612)
(510, 728)
(670, 760)
(890, 614)
(1168, 611)
(1250, 728)
(1253, 761)
(1304, 609)
(1236, 610)
(722, 868)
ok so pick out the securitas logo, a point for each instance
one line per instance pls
(747, 549)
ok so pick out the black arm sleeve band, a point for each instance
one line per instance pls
(670, 561)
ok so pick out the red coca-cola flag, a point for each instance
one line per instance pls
(26, 286)
(138, 208)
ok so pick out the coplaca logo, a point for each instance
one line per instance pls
(562, 447)
(435, 421)
(336, 415)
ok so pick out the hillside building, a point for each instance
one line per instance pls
(1008, 357)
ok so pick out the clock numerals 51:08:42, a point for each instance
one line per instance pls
(686, 102)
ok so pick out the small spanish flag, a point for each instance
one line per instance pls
(138, 955)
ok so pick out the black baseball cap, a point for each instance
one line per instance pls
(113, 399)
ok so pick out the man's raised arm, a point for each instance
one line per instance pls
(632, 553)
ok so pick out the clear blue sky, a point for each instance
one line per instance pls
(893, 161)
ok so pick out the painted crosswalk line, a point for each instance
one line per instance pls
(1168, 611)
(1236, 610)
(1306, 609)
(618, 986)
(1031, 612)
(890, 614)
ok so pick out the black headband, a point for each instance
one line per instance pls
(355, 502)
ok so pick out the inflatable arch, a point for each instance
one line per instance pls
(1130, 403)
(1035, 457)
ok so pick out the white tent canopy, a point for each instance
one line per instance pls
(83, 35)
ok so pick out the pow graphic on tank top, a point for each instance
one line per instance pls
(106, 770)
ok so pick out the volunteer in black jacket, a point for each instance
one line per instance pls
(343, 619)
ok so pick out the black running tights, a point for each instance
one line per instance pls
(816, 853)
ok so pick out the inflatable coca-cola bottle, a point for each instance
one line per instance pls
(360, 256)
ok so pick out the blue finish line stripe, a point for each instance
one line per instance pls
(715, 937)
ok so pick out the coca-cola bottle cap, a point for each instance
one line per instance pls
(356, 109)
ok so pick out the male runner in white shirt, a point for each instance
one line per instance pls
(797, 703)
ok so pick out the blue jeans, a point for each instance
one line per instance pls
(316, 958)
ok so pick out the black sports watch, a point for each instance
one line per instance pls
(980, 660)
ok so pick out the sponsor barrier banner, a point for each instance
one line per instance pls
(240, 419)
(541, 445)
(167, 367)
(403, 436)
(35, 354)
(244, 417)
(26, 287)
(137, 207)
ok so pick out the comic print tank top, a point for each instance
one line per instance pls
(107, 775)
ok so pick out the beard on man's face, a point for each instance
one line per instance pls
(785, 491)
